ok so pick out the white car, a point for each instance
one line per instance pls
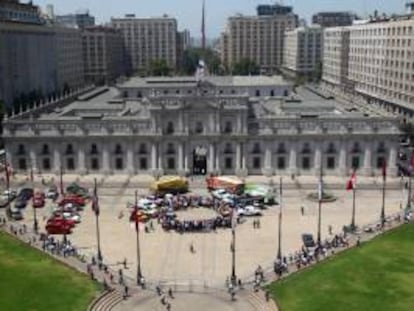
(9, 194)
(218, 194)
(52, 193)
(249, 210)
(72, 216)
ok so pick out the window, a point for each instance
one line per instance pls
(45, 149)
(170, 128)
(143, 149)
(228, 163)
(199, 128)
(381, 148)
(22, 164)
(21, 150)
(380, 161)
(281, 148)
(118, 149)
(257, 93)
(355, 162)
(306, 148)
(356, 148)
(46, 164)
(69, 149)
(170, 149)
(228, 127)
(281, 163)
(94, 149)
(330, 163)
(256, 148)
(171, 163)
(257, 163)
(331, 148)
(119, 164)
(306, 163)
(143, 164)
(95, 164)
(272, 93)
(70, 164)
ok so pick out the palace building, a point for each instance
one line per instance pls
(232, 125)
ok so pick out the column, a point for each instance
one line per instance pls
(33, 159)
(56, 159)
(217, 157)
(81, 159)
(154, 157)
(130, 159)
(180, 156)
(243, 156)
(318, 159)
(267, 169)
(211, 158)
(159, 158)
(238, 156)
(392, 162)
(293, 159)
(186, 157)
(106, 166)
(181, 122)
(367, 159)
(342, 160)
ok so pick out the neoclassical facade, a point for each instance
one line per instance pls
(184, 125)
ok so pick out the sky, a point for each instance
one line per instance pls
(188, 12)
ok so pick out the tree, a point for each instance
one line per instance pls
(189, 61)
(159, 67)
(246, 67)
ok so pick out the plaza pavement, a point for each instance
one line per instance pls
(166, 257)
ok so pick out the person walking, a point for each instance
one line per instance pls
(302, 210)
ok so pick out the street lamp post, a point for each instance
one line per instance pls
(353, 208)
(95, 207)
(320, 198)
(384, 178)
(279, 248)
(136, 219)
(233, 248)
(35, 224)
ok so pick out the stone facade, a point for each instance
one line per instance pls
(184, 126)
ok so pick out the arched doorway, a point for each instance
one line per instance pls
(200, 161)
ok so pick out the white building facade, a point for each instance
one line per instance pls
(179, 125)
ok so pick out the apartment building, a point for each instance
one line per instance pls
(258, 38)
(148, 39)
(13, 10)
(38, 59)
(78, 20)
(303, 51)
(378, 65)
(333, 19)
(102, 54)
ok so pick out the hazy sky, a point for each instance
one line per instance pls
(188, 12)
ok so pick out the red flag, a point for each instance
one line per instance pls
(384, 169)
(351, 184)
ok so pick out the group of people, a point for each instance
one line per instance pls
(205, 225)
(61, 248)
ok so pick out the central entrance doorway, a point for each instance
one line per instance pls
(200, 161)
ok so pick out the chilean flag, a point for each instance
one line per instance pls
(351, 184)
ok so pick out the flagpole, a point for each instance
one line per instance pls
(320, 195)
(353, 227)
(6, 170)
(279, 249)
(383, 198)
(96, 210)
(136, 219)
(61, 180)
(233, 248)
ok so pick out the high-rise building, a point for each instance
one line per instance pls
(14, 11)
(275, 9)
(77, 20)
(148, 39)
(303, 51)
(70, 67)
(377, 67)
(37, 60)
(333, 19)
(258, 38)
(102, 54)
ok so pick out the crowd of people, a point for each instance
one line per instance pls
(205, 225)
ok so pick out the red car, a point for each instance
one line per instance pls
(38, 200)
(72, 199)
(58, 228)
(60, 221)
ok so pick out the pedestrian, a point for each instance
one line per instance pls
(126, 289)
(330, 229)
(358, 243)
(258, 224)
(302, 210)
(168, 306)
(254, 223)
(267, 295)
(192, 250)
(125, 263)
(170, 293)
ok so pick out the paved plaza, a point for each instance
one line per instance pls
(166, 256)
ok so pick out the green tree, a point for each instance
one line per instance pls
(191, 57)
(159, 67)
(246, 67)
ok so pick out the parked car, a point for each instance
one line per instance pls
(9, 194)
(72, 199)
(14, 213)
(73, 216)
(52, 193)
(249, 210)
(58, 227)
(20, 203)
(38, 202)
(308, 240)
(25, 194)
(59, 219)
